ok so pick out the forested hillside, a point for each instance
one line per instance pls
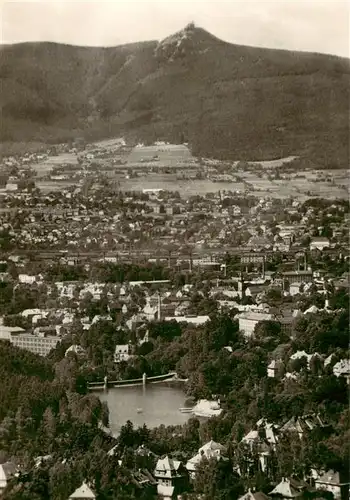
(226, 100)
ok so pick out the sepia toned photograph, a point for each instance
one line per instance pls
(174, 250)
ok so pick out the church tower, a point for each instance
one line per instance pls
(241, 287)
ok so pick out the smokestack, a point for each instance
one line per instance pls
(159, 307)
(305, 262)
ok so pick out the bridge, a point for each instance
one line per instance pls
(105, 384)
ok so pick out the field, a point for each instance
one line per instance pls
(44, 168)
(169, 155)
(311, 183)
(186, 188)
(302, 187)
(274, 163)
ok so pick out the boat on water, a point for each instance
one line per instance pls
(139, 410)
(186, 410)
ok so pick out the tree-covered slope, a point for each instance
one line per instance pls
(225, 99)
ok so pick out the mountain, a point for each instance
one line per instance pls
(226, 100)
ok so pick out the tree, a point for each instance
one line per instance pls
(267, 328)
(62, 481)
(215, 480)
(274, 295)
(127, 437)
(298, 364)
(49, 428)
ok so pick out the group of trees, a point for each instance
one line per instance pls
(108, 273)
(43, 414)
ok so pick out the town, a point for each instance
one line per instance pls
(142, 266)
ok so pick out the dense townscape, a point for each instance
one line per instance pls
(239, 297)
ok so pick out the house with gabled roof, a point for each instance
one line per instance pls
(263, 437)
(82, 493)
(303, 424)
(144, 480)
(288, 488)
(171, 477)
(7, 471)
(342, 369)
(254, 495)
(264, 431)
(209, 450)
(335, 482)
(274, 368)
(319, 243)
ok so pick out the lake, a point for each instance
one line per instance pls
(159, 403)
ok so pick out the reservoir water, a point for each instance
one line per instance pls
(153, 405)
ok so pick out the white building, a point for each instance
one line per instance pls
(342, 369)
(11, 186)
(254, 495)
(26, 278)
(319, 243)
(205, 408)
(333, 482)
(248, 321)
(209, 450)
(263, 430)
(169, 475)
(194, 320)
(122, 353)
(82, 493)
(41, 345)
(273, 368)
(7, 470)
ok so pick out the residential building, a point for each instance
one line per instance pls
(259, 243)
(26, 279)
(209, 450)
(264, 437)
(263, 431)
(334, 482)
(287, 489)
(7, 470)
(342, 369)
(295, 288)
(319, 243)
(171, 476)
(273, 368)
(82, 493)
(303, 424)
(122, 353)
(254, 495)
(77, 350)
(7, 331)
(144, 480)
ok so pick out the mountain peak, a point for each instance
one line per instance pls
(190, 40)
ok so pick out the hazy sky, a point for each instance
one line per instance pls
(314, 25)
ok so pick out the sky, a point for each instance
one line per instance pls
(310, 25)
